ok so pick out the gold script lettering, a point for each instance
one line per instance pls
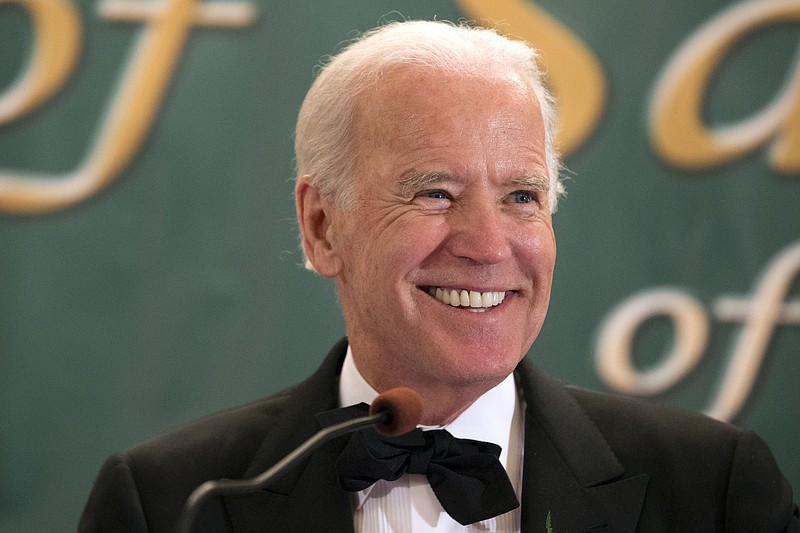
(56, 47)
(574, 75)
(769, 306)
(677, 129)
(133, 107)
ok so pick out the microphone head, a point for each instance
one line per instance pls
(404, 406)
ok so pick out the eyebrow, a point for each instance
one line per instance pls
(414, 180)
(537, 182)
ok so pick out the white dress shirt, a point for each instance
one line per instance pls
(409, 504)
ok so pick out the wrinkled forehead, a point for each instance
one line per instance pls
(408, 94)
(419, 110)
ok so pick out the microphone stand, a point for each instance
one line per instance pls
(243, 486)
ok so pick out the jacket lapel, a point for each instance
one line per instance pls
(316, 502)
(308, 497)
(572, 480)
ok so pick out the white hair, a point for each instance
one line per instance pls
(324, 138)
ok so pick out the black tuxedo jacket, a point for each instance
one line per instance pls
(593, 462)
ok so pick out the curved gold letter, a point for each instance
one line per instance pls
(574, 74)
(56, 46)
(677, 130)
(760, 314)
(134, 106)
(614, 356)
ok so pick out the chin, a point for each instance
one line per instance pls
(478, 368)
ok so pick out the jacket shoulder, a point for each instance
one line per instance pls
(697, 466)
(145, 488)
(231, 434)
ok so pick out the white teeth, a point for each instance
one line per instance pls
(443, 296)
(476, 301)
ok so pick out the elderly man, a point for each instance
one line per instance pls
(426, 183)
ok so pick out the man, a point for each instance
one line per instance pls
(426, 183)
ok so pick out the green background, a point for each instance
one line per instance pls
(177, 291)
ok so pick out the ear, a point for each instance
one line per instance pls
(314, 217)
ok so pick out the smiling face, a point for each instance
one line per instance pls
(444, 264)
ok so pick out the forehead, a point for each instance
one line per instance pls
(418, 118)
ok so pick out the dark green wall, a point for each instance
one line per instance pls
(176, 290)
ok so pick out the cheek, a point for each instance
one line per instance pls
(410, 242)
(539, 252)
(382, 255)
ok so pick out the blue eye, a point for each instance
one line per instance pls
(438, 195)
(523, 197)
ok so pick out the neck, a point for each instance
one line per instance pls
(443, 400)
(441, 407)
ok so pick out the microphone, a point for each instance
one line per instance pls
(399, 409)
(393, 413)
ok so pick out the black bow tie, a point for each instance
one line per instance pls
(465, 475)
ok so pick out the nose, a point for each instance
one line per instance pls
(479, 232)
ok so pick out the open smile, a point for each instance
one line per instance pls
(472, 300)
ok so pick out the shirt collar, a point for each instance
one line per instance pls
(488, 419)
